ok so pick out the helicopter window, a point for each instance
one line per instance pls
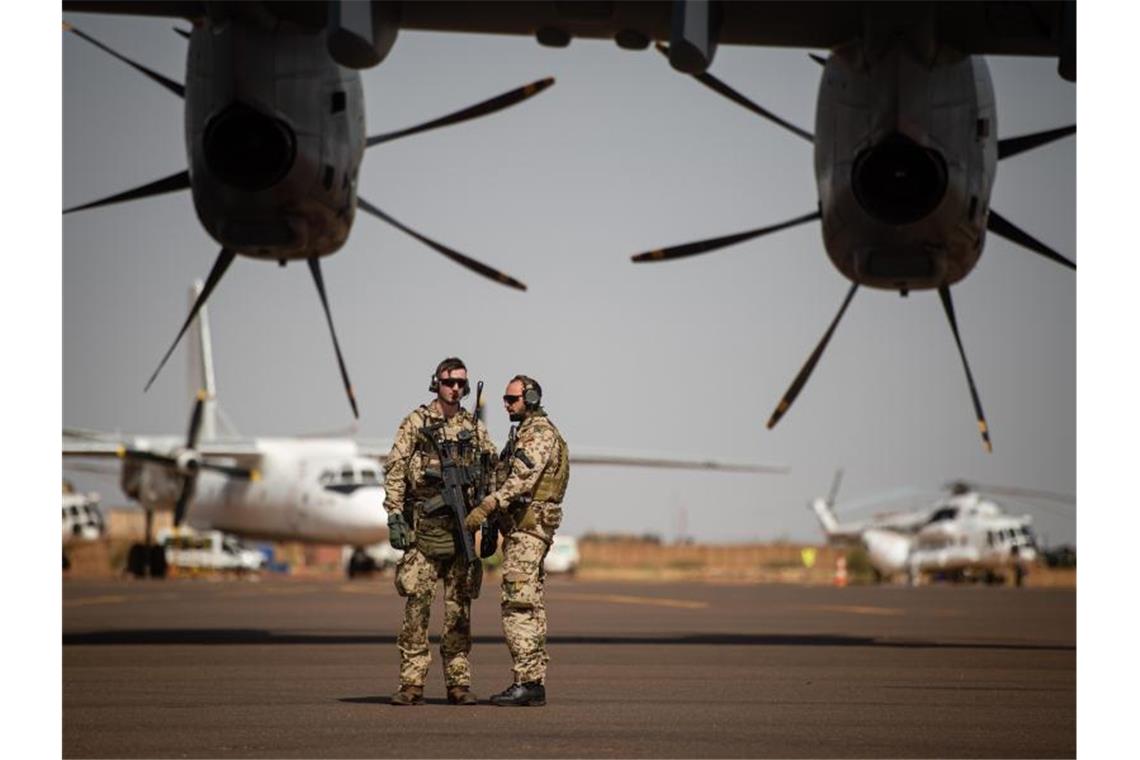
(347, 475)
(338, 101)
(73, 511)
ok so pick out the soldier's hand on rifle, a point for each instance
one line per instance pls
(478, 516)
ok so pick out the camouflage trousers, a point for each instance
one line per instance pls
(524, 611)
(416, 578)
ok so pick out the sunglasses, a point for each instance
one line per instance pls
(453, 382)
(511, 399)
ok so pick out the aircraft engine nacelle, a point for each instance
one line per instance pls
(888, 551)
(904, 179)
(274, 137)
(153, 486)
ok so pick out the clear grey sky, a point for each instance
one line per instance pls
(686, 358)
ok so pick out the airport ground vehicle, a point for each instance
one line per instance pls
(208, 550)
(563, 556)
(363, 560)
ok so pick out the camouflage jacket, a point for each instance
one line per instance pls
(537, 446)
(412, 454)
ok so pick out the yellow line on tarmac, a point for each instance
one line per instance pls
(651, 601)
(855, 610)
(110, 599)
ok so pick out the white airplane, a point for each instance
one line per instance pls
(317, 490)
(962, 534)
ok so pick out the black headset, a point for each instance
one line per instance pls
(532, 393)
(433, 385)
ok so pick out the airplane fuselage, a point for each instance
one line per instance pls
(315, 491)
(274, 137)
(905, 157)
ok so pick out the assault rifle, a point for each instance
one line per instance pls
(489, 530)
(457, 480)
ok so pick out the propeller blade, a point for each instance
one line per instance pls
(221, 264)
(719, 87)
(233, 471)
(497, 103)
(1002, 227)
(948, 306)
(1011, 146)
(169, 84)
(315, 268)
(712, 244)
(139, 455)
(465, 261)
(196, 421)
(835, 487)
(798, 384)
(183, 502)
(174, 182)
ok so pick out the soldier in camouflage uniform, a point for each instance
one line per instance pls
(534, 470)
(412, 487)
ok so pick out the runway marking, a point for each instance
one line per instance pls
(651, 601)
(855, 609)
(109, 599)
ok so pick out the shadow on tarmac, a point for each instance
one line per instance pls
(231, 636)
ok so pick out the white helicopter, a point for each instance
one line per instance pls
(964, 534)
(315, 490)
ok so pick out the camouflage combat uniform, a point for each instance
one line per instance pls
(534, 469)
(435, 554)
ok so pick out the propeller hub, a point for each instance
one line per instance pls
(247, 148)
(188, 462)
(897, 181)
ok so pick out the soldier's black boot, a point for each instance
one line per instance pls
(409, 694)
(532, 694)
(461, 695)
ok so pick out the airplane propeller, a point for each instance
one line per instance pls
(181, 181)
(187, 462)
(995, 223)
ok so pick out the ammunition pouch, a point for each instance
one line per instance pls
(435, 540)
(399, 534)
(429, 507)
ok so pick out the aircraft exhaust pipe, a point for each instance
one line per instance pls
(247, 148)
(897, 181)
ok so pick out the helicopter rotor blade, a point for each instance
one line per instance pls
(315, 268)
(489, 106)
(948, 307)
(719, 87)
(712, 244)
(465, 261)
(221, 264)
(166, 82)
(1002, 227)
(173, 183)
(1011, 146)
(805, 372)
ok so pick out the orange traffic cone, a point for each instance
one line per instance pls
(841, 571)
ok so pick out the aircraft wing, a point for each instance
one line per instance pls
(608, 458)
(1030, 28)
(79, 443)
(985, 27)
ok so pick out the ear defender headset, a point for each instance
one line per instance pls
(532, 393)
(433, 385)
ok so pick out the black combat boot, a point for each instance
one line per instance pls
(532, 694)
(461, 695)
(409, 694)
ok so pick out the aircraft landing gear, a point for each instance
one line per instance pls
(147, 559)
(360, 563)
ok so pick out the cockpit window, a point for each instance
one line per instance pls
(348, 479)
(945, 513)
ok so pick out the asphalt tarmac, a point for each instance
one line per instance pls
(292, 668)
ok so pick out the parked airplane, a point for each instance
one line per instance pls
(317, 490)
(963, 533)
(275, 136)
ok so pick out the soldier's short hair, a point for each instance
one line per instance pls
(449, 364)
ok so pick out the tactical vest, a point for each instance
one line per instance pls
(551, 485)
(434, 535)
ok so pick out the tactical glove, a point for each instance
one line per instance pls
(478, 516)
(399, 534)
